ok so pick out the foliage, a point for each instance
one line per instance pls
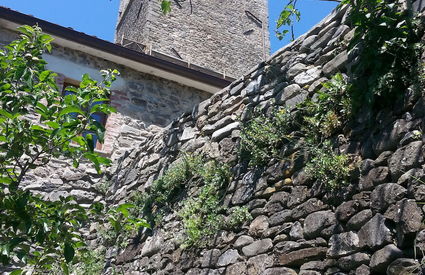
(37, 123)
(328, 168)
(90, 262)
(160, 197)
(388, 38)
(263, 136)
(119, 224)
(201, 214)
(288, 15)
(329, 111)
(238, 215)
(314, 120)
(166, 6)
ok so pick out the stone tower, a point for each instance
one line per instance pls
(226, 36)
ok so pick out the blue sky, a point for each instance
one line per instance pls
(98, 17)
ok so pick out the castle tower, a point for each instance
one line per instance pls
(226, 36)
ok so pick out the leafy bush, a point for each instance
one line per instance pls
(90, 262)
(263, 136)
(200, 214)
(37, 123)
(164, 190)
(389, 42)
(328, 112)
(328, 168)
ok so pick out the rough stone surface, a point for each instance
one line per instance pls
(386, 194)
(351, 262)
(229, 257)
(257, 247)
(405, 158)
(203, 38)
(343, 244)
(302, 255)
(316, 222)
(296, 226)
(383, 257)
(375, 233)
(404, 266)
(279, 271)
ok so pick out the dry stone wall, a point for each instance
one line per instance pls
(375, 226)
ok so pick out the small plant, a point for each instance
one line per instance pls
(328, 168)
(102, 187)
(90, 262)
(263, 136)
(201, 214)
(154, 203)
(119, 225)
(238, 216)
(328, 112)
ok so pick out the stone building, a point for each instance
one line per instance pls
(149, 93)
(374, 227)
(227, 36)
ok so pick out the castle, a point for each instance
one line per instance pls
(168, 64)
(372, 226)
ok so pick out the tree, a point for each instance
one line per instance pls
(38, 123)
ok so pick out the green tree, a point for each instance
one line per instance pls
(38, 123)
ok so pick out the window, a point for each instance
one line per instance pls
(99, 117)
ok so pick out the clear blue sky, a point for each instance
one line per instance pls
(98, 17)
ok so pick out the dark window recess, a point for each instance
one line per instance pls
(176, 53)
(178, 3)
(99, 117)
(248, 32)
(140, 9)
(254, 18)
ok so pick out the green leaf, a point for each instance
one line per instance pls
(65, 268)
(70, 109)
(44, 75)
(123, 208)
(166, 6)
(68, 252)
(6, 114)
(16, 272)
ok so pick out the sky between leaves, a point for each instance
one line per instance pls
(98, 17)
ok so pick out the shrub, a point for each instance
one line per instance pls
(201, 214)
(263, 136)
(328, 168)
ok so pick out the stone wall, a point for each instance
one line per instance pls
(224, 36)
(374, 227)
(145, 104)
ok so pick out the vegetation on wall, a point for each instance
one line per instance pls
(387, 40)
(201, 212)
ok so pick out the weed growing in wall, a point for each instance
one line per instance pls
(164, 190)
(264, 135)
(91, 262)
(328, 168)
(328, 111)
(238, 215)
(202, 214)
(314, 120)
